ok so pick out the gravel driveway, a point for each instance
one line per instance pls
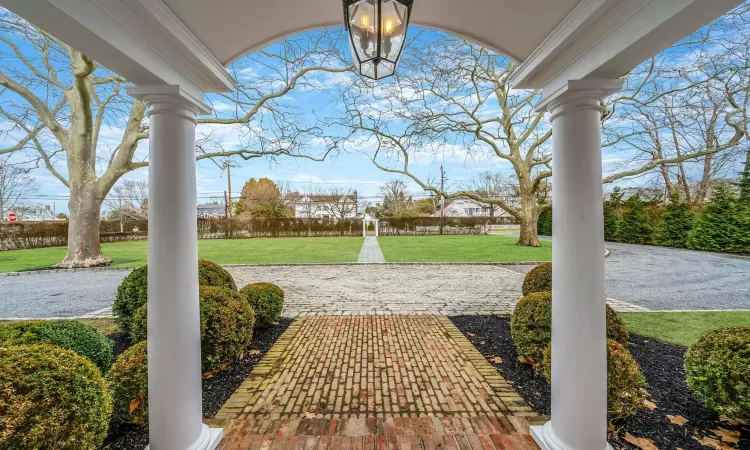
(656, 278)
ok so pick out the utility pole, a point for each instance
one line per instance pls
(442, 198)
(229, 189)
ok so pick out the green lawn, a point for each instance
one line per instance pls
(473, 248)
(222, 251)
(681, 328)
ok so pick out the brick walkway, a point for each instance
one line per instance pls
(392, 382)
(371, 252)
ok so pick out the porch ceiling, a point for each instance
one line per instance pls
(233, 28)
(188, 43)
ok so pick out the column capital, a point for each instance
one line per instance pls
(576, 95)
(166, 98)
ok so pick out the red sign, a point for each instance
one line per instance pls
(12, 217)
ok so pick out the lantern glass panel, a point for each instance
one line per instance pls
(393, 25)
(363, 20)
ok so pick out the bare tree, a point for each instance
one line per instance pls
(68, 111)
(455, 97)
(339, 203)
(128, 200)
(15, 182)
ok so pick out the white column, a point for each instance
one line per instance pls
(174, 355)
(377, 227)
(364, 227)
(579, 358)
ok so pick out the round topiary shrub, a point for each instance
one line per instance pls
(539, 279)
(212, 274)
(68, 334)
(132, 293)
(267, 301)
(625, 382)
(51, 398)
(128, 383)
(717, 368)
(616, 328)
(227, 321)
(531, 325)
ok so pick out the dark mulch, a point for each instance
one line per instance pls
(661, 364)
(216, 389)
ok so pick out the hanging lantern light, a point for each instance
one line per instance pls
(377, 33)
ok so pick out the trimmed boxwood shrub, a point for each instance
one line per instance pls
(128, 383)
(267, 301)
(212, 274)
(227, 321)
(625, 382)
(68, 334)
(132, 293)
(717, 368)
(51, 398)
(531, 325)
(539, 279)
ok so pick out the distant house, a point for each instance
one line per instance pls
(464, 207)
(37, 214)
(323, 206)
(211, 210)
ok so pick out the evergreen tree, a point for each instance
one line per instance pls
(743, 184)
(634, 226)
(610, 223)
(544, 224)
(676, 224)
(723, 225)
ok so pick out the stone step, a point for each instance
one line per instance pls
(513, 441)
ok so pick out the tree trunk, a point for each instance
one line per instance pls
(84, 249)
(528, 233)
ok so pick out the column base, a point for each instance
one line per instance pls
(208, 440)
(545, 438)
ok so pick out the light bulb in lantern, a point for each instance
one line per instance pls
(364, 22)
(388, 27)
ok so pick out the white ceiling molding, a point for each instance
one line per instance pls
(139, 39)
(605, 39)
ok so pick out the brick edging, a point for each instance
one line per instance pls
(272, 357)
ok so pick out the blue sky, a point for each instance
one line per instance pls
(314, 98)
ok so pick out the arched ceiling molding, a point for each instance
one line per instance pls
(279, 38)
(188, 43)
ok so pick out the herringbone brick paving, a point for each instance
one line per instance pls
(375, 382)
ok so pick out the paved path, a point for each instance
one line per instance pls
(664, 279)
(371, 252)
(655, 278)
(379, 382)
(393, 288)
(60, 294)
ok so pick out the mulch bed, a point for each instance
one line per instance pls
(660, 363)
(216, 389)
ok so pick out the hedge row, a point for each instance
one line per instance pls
(722, 225)
(23, 235)
(238, 228)
(431, 226)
